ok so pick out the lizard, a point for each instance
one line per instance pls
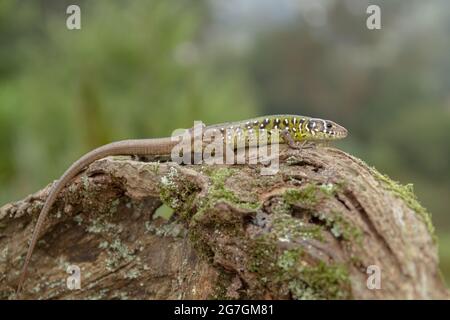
(293, 130)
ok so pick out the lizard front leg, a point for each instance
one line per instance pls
(287, 137)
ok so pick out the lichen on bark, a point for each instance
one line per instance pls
(310, 231)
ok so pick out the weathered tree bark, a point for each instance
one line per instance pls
(311, 231)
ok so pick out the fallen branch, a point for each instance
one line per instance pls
(311, 231)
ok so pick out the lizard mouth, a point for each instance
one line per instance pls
(340, 133)
(343, 133)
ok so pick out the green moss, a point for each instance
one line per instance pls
(172, 192)
(406, 193)
(340, 227)
(320, 282)
(309, 197)
(200, 244)
(311, 194)
(287, 228)
(218, 176)
(288, 259)
(303, 281)
(287, 269)
(177, 193)
(218, 191)
(306, 196)
(164, 211)
(330, 189)
(224, 280)
(262, 256)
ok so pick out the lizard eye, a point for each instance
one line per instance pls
(329, 125)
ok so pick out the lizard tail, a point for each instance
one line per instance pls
(125, 147)
(48, 203)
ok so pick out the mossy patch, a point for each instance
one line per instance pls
(164, 211)
(311, 194)
(339, 226)
(262, 255)
(306, 196)
(288, 229)
(289, 270)
(200, 243)
(218, 191)
(224, 280)
(320, 282)
(177, 193)
(406, 193)
(309, 198)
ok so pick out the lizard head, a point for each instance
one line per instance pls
(319, 129)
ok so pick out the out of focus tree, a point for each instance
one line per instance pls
(134, 70)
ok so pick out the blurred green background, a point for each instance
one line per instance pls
(144, 68)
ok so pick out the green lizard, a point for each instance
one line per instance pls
(291, 129)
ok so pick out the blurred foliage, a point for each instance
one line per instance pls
(133, 71)
(144, 68)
